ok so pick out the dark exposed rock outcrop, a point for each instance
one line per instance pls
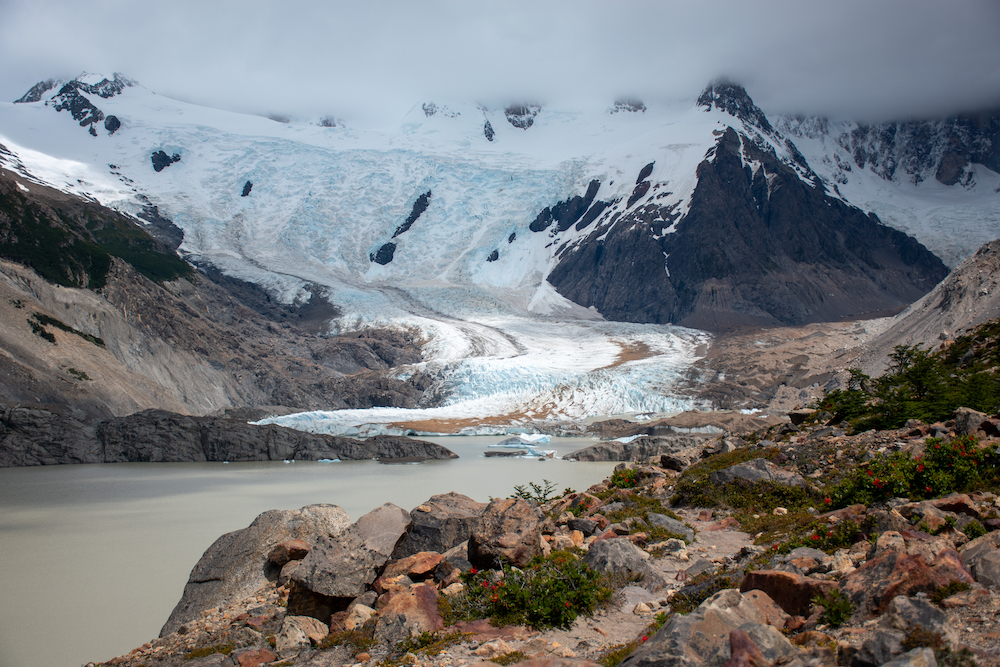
(759, 245)
(161, 160)
(44, 435)
(522, 116)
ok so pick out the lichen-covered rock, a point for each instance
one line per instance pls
(756, 470)
(701, 638)
(444, 521)
(341, 567)
(620, 555)
(508, 531)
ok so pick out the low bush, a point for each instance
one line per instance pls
(549, 592)
(945, 467)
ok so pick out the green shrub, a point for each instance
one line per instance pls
(625, 479)
(549, 592)
(537, 493)
(837, 607)
(945, 467)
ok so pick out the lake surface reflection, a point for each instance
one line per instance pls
(96, 556)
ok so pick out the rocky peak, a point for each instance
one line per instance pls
(734, 100)
(628, 105)
(37, 90)
(522, 115)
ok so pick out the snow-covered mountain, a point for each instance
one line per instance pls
(510, 236)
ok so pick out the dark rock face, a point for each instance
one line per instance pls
(512, 237)
(444, 521)
(522, 116)
(493, 256)
(161, 160)
(921, 149)
(488, 131)
(384, 254)
(508, 531)
(36, 92)
(112, 124)
(419, 206)
(566, 213)
(72, 97)
(247, 187)
(43, 437)
(756, 247)
(628, 105)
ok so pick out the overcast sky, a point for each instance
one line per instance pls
(858, 59)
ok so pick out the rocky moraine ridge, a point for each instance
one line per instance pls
(781, 579)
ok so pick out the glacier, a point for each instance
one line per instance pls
(506, 351)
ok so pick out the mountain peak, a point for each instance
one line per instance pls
(93, 84)
(733, 99)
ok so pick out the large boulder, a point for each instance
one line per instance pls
(620, 555)
(790, 591)
(409, 612)
(508, 531)
(756, 470)
(701, 638)
(237, 564)
(873, 585)
(341, 567)
(444, 521)
(641, 448)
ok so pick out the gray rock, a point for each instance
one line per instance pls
(968, 420)
(619, 556)
(918, 657)
(52, 434)
(236, 565)
(700, 566)
(508, 531)
(973, 552)
(882, 647)
(586, 526)
(987, 571)
(444, 521)
(756, 470)
(672, 525)
(641, 449)
(299, 633)
(701, 638)
(903, 613)
(344, 565)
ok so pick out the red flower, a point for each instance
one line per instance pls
(567, 604)
(929, 489)
(644, 638)
(920, 468)
(473, 571)
(870, 473)
(827, 500)
(815, 537)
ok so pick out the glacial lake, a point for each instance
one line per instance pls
(96, 556)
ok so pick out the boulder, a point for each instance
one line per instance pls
(743, 652)
(237, 564)
(641, 449)
(701, 638)
(671, 525)
(756, 470)
(299, 633)
(288, 551)
(792, 592)
(509, 531)
(439, 524)
(417, 567)
(341, 567)
(620, 555)
(968, 421)
(256, 657)
(409, 612)
(873, 585)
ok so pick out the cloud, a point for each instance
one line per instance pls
(868, 60)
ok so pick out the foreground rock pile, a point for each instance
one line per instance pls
(911, 587)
